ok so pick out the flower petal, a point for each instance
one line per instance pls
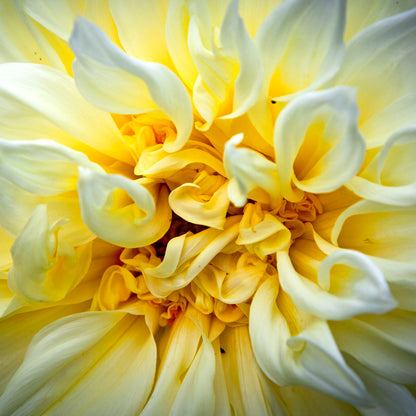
(45, 267)
(349, 285)
(390, 177)
(310, 358)
(141, 28)
(248, 170)
(314, 135)
(377, 230)
(26, 91)
(185, 202)
(136, 85)
(390, 398)
(241, 373)
(385, 344)
(116, 217)
(383, 54)
(198, 384)
(18, 329)
(301, 45)
(68, 363)
(42, 167)
(179, 353)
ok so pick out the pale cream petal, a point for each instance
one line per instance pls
(116, 208)
(310, 358)
(248, 170)
(385, 344)
(141, 28)
(119, 383)
(390, 177)
(18, 44)
(383, 54)
(241, 373)
(377, 230)
(45, 266)
(314, 135)
(58, 16)
(177, 24)
(17, 331)
(252, 12)
(67, 351)
(136, 85)
(28, 91)
(198, 384)
(301, 45)
(179, 353)
(390, 398)
(361, 14)
(237, 43)
(42, 167)
(305, 401)
(16, 206)
(349, 285)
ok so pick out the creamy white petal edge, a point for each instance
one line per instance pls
(137, 86)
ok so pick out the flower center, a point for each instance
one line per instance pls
(213, 255)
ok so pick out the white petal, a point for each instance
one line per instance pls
(17, 205)
(17, 331)
(349, 284)
(237, 43)
(56, 15)
(361, 14)
(317, 142)
(179, 353)
(310, 358)
(116, 82)
(72, 359)
(248, 170)
(390, 177)
(198, 384)
(114, 218)
(42, 167)
(176, 37)
(385, 344)
(301, 45)
(383, 54)
(18, 44)
(390, 398)
(377, 230)
(45, 267)
(30, 92)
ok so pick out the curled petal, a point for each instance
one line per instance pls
(137, 86)
(45, 266)
(314, 136)
(377, 230)
(186, 202)
(310, 358)
(119, 217)
(42, 167)
(248, 170)
(390, 177)
(349, 285)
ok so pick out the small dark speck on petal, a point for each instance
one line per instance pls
(222, 350)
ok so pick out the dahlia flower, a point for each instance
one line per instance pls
(207, 208)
